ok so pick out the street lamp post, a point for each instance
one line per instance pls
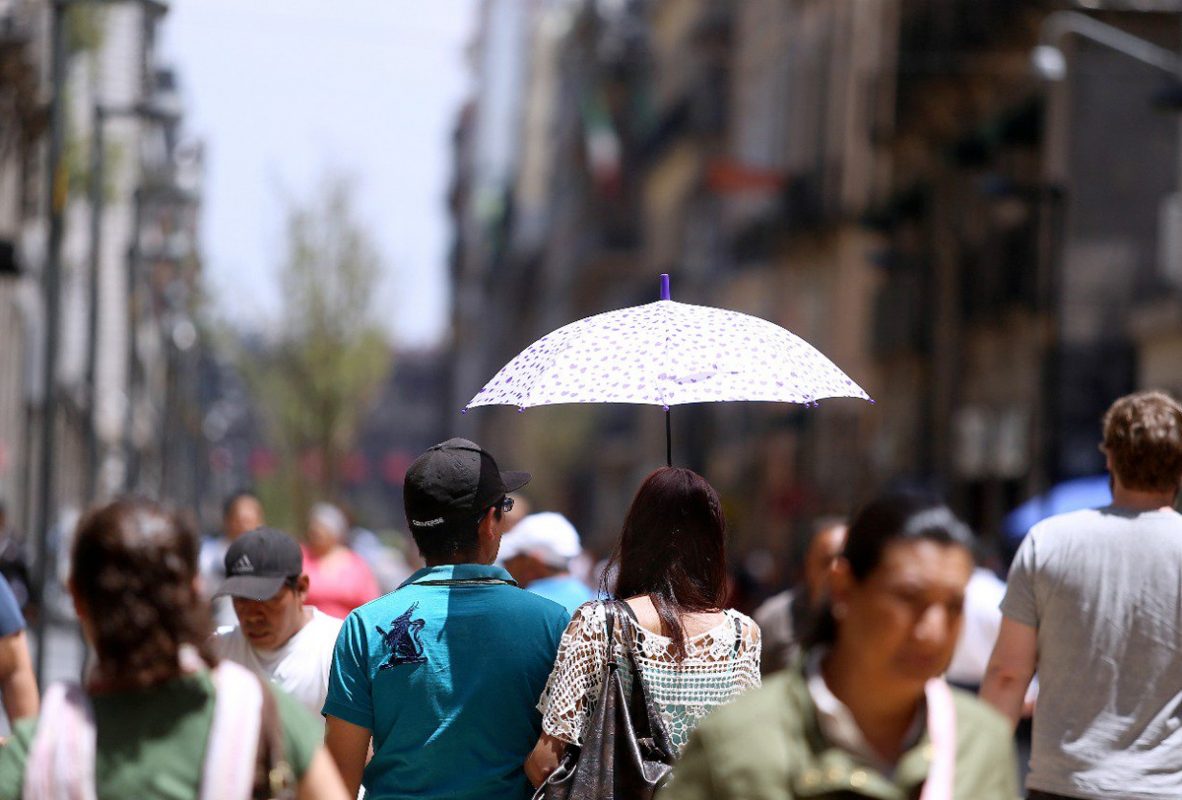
(1048, 58)
(1049, 63)
(100, 115)
(51, 284)
(56, 199)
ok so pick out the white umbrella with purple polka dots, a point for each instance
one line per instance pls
(667, 353)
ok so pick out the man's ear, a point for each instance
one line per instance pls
(841, 580)
(302, 584)
(76, 597)
(488, 533)
(490, 525)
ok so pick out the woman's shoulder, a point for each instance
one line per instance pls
(752, 635)
(744, 620)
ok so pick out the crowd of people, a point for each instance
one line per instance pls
(254, 666)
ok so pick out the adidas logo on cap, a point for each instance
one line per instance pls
(243, 564)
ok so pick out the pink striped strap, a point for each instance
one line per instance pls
(942, 732)
(60, 765)
(232, 751)
(61, 758)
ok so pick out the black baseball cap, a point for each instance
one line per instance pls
(452, 482)
(259, 562)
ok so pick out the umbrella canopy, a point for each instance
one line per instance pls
(667, 353)
(1073, 495)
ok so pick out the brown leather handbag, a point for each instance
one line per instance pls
(626, 752)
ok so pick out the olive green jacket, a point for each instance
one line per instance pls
(767, 745)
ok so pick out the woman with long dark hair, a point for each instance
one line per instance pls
(693, 654)
(158, 717)
(865, 713)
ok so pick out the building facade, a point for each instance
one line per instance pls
(992, 256)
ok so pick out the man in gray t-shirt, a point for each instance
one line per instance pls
(1094, 603)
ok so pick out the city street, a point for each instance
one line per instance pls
(839, 339)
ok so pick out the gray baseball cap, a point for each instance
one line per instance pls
(259, 562)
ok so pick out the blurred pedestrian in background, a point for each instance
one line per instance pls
(241, 512)
(14, 563)
(387, 564)
(339, 579)
(979, 627)
(1092, 603)
(863, 712)
(538, 552)
(693, 653)
(444, 672)
(154, 721)
(278, 637)
(784, 618)
(18, 685)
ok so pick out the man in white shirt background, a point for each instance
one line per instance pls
(277, 636)
(241, 512)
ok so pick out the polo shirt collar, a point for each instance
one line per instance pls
(459, 572)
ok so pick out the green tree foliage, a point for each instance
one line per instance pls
(315, 382)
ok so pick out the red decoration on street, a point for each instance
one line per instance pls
(395, 465)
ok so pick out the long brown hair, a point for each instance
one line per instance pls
(134, 567)
(673, 548)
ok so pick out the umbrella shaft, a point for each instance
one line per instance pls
(668, 440)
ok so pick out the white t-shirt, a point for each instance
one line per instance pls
(978, 633)
(300, 667)
(1103, 590)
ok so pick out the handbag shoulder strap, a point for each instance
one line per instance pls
(232, 749)
(609, 624)
(645, 718)
(61, 758)
(273, 771)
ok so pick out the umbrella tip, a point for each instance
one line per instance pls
(664, 285)
(521, 409)
(464, 410)
(871, 399)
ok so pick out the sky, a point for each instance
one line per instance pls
(282, 92)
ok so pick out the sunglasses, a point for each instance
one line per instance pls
(505, 504)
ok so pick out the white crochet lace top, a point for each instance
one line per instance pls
(719, 664)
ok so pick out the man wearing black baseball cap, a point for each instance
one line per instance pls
(277, 637)
(445, 672)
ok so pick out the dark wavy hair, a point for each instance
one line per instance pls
(134, 567)
(234, 497)
(900, 517)
(673, 548)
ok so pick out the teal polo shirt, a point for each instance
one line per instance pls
(446, 671)
(567, 590)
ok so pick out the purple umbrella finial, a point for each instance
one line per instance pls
(664, 285)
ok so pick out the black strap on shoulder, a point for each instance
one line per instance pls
(738, 636)
(465, 582)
